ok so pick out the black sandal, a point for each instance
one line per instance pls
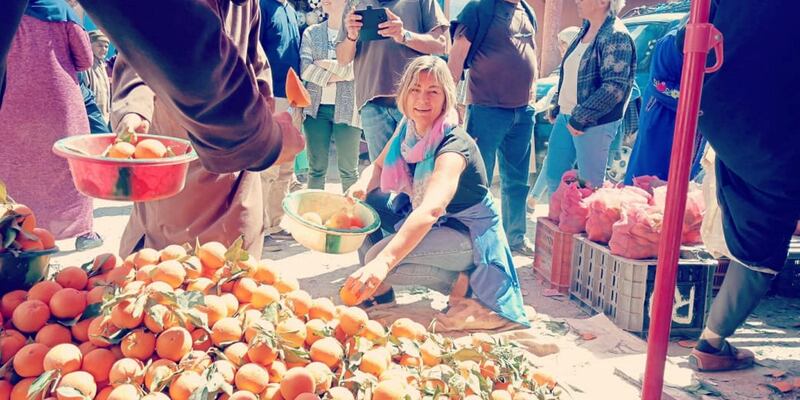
(385, 298)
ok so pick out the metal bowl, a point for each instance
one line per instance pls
(125, 180)
(319, 237)
(22, 270)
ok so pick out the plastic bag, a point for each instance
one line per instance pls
(573, 209)
(695, 210)
(648, 182)
(637, 233)
(555, 200)
(605, 207)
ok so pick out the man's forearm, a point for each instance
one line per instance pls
(346, 51)
(435, 42)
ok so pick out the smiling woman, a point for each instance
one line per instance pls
(430, 189)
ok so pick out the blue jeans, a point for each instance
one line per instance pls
(590, 150)
(539, 190)
(506, 133)
(378, 122)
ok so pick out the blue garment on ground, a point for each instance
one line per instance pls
(494, 280)
(280, 37)
(51, 11)
(651, 153)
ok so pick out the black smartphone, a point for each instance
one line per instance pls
(371, 18)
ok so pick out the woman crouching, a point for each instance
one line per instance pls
(430, 189)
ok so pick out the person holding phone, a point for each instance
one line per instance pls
(412, 28)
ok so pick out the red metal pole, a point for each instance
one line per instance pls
(700, 37)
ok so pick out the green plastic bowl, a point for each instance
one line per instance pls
(20, 272)
(319, 237)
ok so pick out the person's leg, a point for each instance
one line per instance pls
(435, 263)
(741, 291)
(346, 139)
(560, 154)
(318, 139)
(379, 201)
(591, 150)
(379, 123)
(514, 159)
(488, 126)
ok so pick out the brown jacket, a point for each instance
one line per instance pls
(217, 207)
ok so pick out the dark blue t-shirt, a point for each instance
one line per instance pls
(280, 37)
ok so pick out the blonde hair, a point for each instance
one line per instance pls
(434, 66)
(616, 6)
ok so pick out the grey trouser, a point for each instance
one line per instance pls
(740, 293)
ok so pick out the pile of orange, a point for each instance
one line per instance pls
(18, 229)
(212, 323)
(130, 146)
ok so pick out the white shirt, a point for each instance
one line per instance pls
(329, 92)
(568, 95)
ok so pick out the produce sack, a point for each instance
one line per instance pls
(604, 209)
(648, 183)
(692, 218)
(555, 200)
(637, 232)
(573, 209)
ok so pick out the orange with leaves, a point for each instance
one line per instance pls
(225, 331)
(212, 255)
(352, 320)
(157, 372)
(264, 295)
(145, 256)
(65, 357)
(185, 384)
(174, 343)
(252, 377)
(327, 351)
(138, 344)
(292, 331)
(264, 272)
(72, 277)
(76, 385)
(127, 314)
(20, 390)
(375, 361)
(300, 302)
(170, 272)
(126, 370)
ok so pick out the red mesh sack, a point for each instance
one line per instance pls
(573, 209)
(604, 208)
(692, 218)
(637, 233)
(648, 183)
(555, 200)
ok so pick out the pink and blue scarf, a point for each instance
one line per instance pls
(407, 147)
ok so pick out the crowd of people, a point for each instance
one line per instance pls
(221, 84)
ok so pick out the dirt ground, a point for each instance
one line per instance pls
(592, 358)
